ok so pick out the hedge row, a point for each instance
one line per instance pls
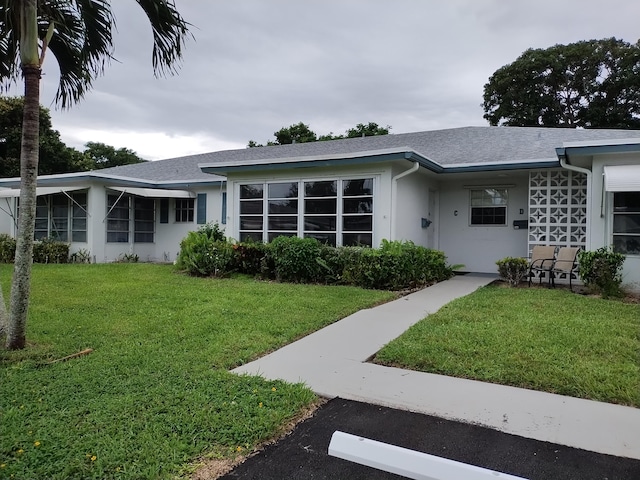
(45, 251)
(393, 266)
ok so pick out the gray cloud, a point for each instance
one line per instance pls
(256, 66)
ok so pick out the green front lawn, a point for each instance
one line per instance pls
(536, 338)
(155, 394)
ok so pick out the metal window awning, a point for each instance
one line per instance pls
(155, 192)
(15, 192)
(622, 178)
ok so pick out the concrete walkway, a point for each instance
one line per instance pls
(332, 362)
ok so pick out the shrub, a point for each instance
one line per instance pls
(512, 270)
(7, 248)
(395, 266)
(127, 258)
(601, 271)
(81, 256)
(213, 231)
(250, 257)
(297, 259)
(50, 251)
(201, 255)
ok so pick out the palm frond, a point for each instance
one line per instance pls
(9, 53)
(170, 32)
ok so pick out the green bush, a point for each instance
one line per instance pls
(297, 260)
(213, 231)
(396, 266)
(601, 271)
(250, 257)
(7, 248)
(513, 270)
(50, 251)
(202, 255)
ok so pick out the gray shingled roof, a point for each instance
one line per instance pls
(489, 145)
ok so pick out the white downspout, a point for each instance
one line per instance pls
(394, 195)
(589, 174)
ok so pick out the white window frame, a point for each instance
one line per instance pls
(615, 214)
(482, 204)
(45, 202)
(300, 215)
(128, 202)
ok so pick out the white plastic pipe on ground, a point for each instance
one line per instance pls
(405, 462)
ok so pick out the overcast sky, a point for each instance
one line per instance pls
(255, 66)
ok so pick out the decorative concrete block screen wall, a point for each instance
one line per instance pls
(557, 208)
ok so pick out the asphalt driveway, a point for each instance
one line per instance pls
(303, 454)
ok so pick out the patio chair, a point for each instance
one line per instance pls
(566, 263)
(542, 258)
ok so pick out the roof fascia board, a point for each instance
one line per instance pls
(63, 179)
(569, 149)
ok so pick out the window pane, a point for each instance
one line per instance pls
(327, 206)
(358, 205)
(139, 237)
(355, 239)
(357, 223)
(283, 190)
(353, 188)
(118, 225)
(626, 202)
(324, 224)
(626, 223)
(320, 189)
(283, 223)
(282, 206)
(252, 206)
(489, 216)
(118, 237)
(250, 236)
(250, 223)
(626, 244)
(251, 191)
(272, 235)
(80, 236)
(327, 238)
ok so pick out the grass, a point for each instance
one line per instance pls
(155, 394)
(540, 339)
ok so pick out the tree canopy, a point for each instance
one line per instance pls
(101, 156)
(301, 133)
(589, 84)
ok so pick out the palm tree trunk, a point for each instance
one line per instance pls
(21, 282)
(4, 316)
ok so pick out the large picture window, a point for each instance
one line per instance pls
(626, 222)
(336, 212)
(62, 217)
(488, 206)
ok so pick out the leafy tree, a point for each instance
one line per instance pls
(55, 156)
(105, 156)
(369, 130)
(300, 133)
(590, 84)
(79, 34)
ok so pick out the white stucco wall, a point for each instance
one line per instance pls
(479, 247)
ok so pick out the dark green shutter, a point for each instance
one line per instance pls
(164, 210)
(202, 209)
(224, 208)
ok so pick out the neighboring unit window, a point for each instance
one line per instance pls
(336, 212)
(61, 217)
(184, 209)
(626, 222)
(79, 217)
(117, 218)
(144, 219)
(489, 206)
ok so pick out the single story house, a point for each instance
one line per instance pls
(477, 193)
